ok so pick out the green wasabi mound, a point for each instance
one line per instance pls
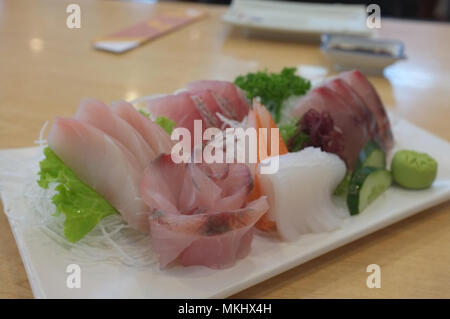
(413, 170)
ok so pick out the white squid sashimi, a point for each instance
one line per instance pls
(104, 164)
(300, 192)
(99, 115)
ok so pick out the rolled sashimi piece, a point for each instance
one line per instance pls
(99, 115)
(153, 134)
(213, 240)
(199, 212)
(195, 188)
(104, 164)
(300, 193)
(369, 95)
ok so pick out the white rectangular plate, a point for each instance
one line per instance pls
(46, 261)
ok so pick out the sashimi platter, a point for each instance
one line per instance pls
(215, 187)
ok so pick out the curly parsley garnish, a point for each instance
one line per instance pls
(273, 88)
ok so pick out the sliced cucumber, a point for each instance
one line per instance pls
(366, 184)
(371, 155)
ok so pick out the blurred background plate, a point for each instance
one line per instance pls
(307, 20)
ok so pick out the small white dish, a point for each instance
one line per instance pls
(369, 55)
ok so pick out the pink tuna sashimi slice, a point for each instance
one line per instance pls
(184, 108)
(202, 100)
(227, 94)
(178, 107)
(207, 107)
(198, 208)
(357, 105)
(99, 115)
(369, 95)
(215, 103)
(104, 164)
(153, 134)
(349, 134)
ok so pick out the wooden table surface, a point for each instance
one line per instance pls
(47, 68)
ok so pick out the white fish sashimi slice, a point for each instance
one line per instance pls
(153, 134)
(99, 115)
(300, 193)
(104, 164)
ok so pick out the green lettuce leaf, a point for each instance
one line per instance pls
(82, 206)
(166, 123)
(146, 114)
(287, 131)
(293, 137)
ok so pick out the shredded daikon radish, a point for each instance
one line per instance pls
(112, 240)
(231, 123)
(41, 141)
